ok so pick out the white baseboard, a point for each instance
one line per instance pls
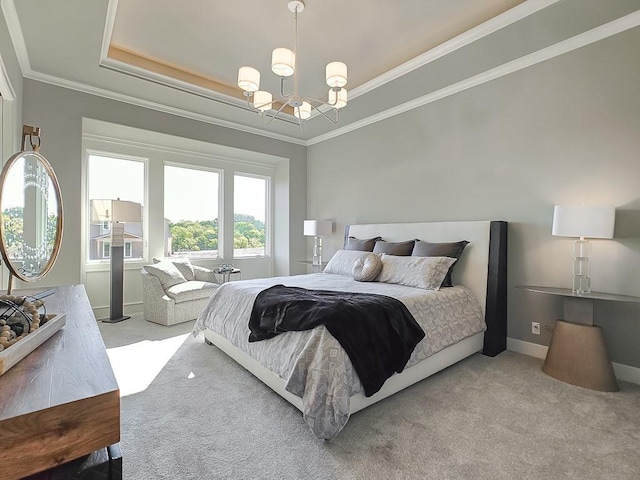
(625, 373)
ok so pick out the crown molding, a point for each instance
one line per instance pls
(112, 8)
(492, 25)
(100, 92)
(15, 32)
(614, 27)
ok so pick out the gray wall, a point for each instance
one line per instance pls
(60, 112)
(563, 131)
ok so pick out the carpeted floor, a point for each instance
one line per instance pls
(199, 415)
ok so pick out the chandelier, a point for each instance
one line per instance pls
(283, 64)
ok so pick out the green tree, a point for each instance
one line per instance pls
(192, 236)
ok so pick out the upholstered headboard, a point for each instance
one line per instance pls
(482, 266)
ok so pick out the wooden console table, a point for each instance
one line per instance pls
(61, 403)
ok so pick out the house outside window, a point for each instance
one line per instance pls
(111, 176)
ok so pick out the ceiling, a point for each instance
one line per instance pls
(183, 57)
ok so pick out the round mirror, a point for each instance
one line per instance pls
(31, 216)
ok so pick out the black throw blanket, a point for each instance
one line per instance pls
(377, 332)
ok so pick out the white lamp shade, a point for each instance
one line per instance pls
(262, 100)
(283, 62)
(303, 111)
(338, 99)
(592, 221)
(317, 228)
(336, 74)
(115, 211)
(248, 79)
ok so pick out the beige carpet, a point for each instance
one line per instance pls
(199, 415)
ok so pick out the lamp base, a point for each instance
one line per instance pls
(114, 320)
(317, 251)
(581, 280)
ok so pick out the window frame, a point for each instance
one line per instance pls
(105, 261)
(221, 181)
(106, 251)
(268, 214)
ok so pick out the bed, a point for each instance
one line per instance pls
(311, 370)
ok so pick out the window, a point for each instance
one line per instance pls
(250, 195)
(127, 249)
(112, 177)
(191, 210)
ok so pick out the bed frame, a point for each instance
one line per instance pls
(482, 268)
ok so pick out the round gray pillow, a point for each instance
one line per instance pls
(367, 268)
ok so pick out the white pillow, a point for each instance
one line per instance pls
(342, 262)
(366, 269)
(167, 273)
(420, 272)
(182, 264)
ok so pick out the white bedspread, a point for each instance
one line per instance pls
(312, 363)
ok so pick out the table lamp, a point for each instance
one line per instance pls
(582, 221)
(317, 229)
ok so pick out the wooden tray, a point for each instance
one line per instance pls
(13, 354)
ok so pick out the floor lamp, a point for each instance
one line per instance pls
(117, 212)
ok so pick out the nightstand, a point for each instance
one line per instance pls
(226, 274)
(577, 353)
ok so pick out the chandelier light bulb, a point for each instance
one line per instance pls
(262, 100)
(283, 62)
(248, 79)
(336, 74)
(338, 99)
(303, 111)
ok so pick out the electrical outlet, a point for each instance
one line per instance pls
(535, 328)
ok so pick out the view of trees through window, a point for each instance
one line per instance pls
(190, 237)
(191, 209)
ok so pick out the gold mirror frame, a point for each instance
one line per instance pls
(13, 271)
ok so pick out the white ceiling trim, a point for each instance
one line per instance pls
(112, 8)
(503, 20)
(15, 32)
(591, 36)
(100, 92)
(174, 83)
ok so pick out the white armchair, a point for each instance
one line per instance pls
(175, 291)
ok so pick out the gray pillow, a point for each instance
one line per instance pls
(363, 245)
(446, 249)
(401, 249)
(367, 268)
